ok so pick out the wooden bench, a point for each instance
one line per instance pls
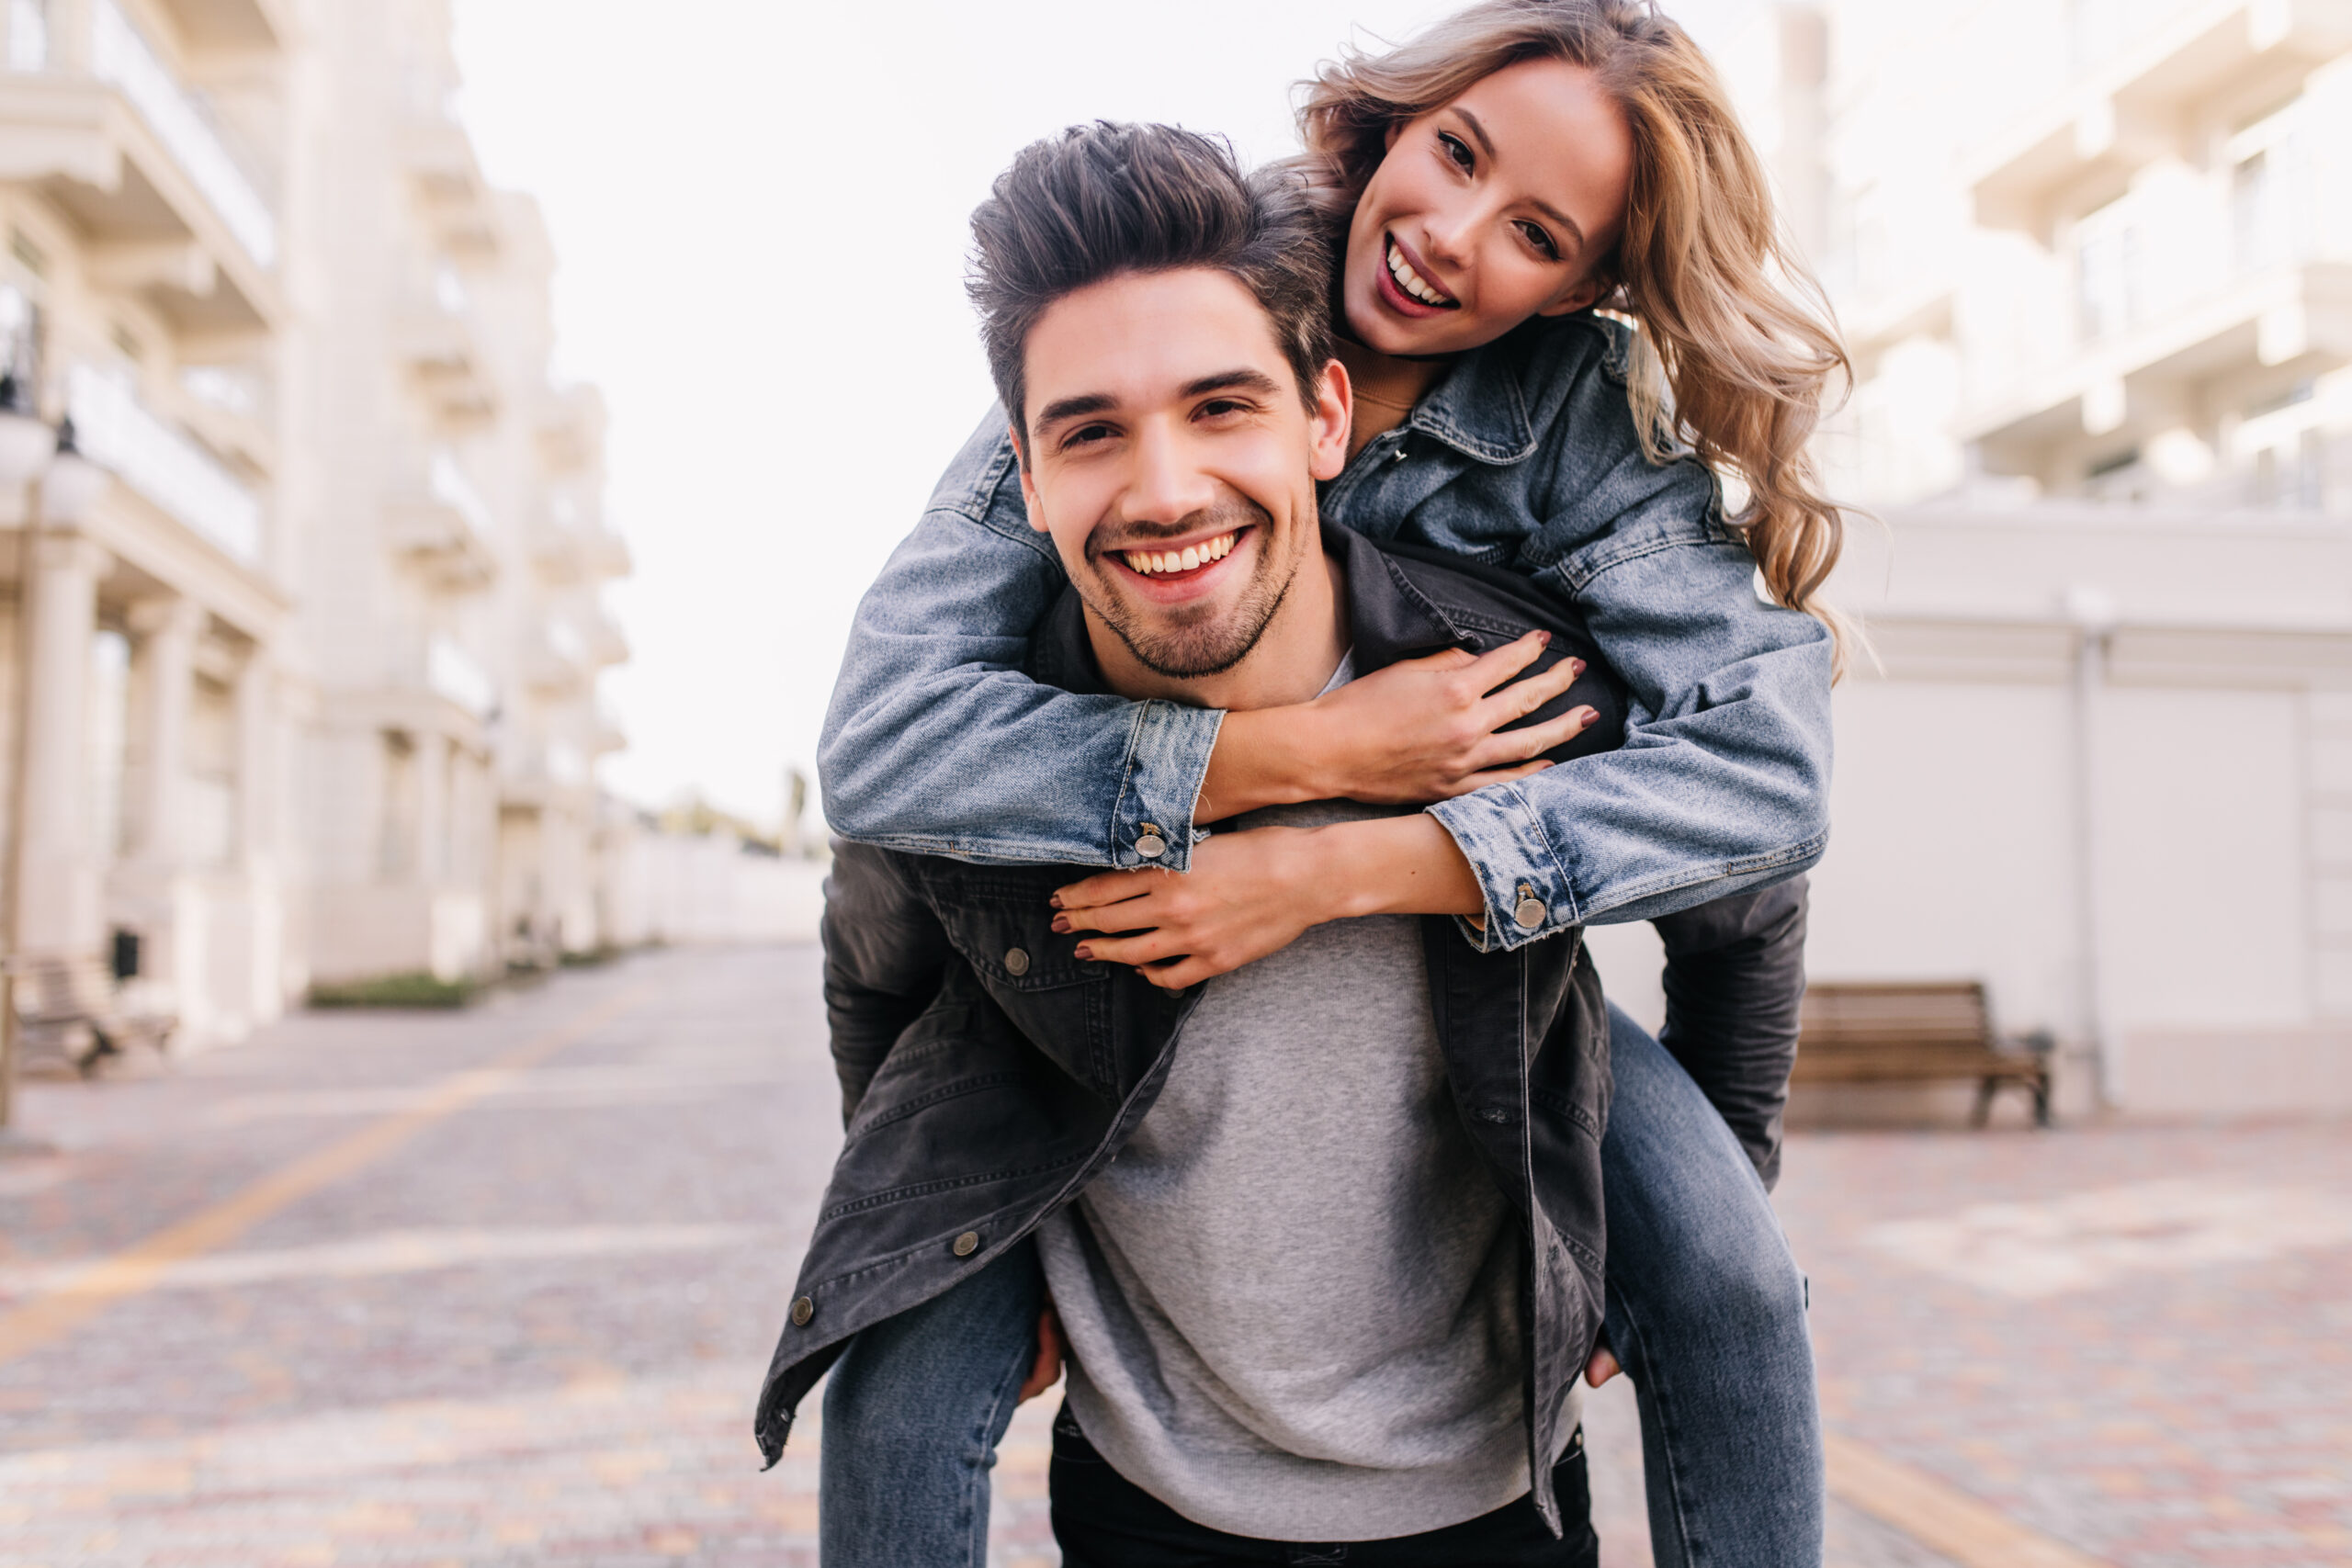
(1919, 1032)
(70, 1010)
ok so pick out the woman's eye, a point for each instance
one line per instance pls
(1457, 150)
(1541, 240)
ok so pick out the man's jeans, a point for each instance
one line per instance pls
(1706, 1311)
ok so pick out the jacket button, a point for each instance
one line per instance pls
(1151, 846)
(968, 1243)
(802, 1310)
(1530, 913)
(1017, 963)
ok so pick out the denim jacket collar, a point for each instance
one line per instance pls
(1388, 619)
(1479, 407)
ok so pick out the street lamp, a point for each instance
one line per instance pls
(69, 485)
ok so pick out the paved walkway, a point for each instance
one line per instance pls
(496, 1288)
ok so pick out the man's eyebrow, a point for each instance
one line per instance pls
(1478, 132)
(1075, 408)
(1241, 380)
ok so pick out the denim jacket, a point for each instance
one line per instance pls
(1525, 457)
(988, 1073)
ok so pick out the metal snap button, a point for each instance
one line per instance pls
(1530, 913)
(1151, 846)
(1017, 963)
(802, 1310)
(968, 1243)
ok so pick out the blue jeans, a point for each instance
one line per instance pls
(1706, 1311)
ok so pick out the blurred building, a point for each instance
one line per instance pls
(2094, 260)
(310, 689)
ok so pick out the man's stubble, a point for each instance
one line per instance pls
(1205, 640)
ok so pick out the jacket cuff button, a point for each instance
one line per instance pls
(803, 1309)
(1530, 913)
(968, 1243)
(1151, 846)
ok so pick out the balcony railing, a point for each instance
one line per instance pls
(116, 431)
(120, 57)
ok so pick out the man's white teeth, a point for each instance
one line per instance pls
(1410, 281)
(1190, 559)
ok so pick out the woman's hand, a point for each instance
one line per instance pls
(1247, 894)
(1420, 730)
(1252, 893)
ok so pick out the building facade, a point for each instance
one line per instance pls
(309, 691)
(2094, 261)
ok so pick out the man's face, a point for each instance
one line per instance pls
(1174, 462)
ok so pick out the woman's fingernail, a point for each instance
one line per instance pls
(1543, 639)
(1056, 900)
(1576, 666)
(1062, 925)
(1586, 715)
(1085, 954)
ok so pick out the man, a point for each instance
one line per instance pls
(1330, 1270)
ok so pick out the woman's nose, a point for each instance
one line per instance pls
(1447, 238)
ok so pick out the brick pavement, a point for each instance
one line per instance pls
(531, 1333)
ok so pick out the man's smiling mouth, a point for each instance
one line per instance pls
(1192, 558)
(1413, 285)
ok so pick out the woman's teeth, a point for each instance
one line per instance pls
(1410, 281)
(1186, 559)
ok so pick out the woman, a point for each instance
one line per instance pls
(1496, 180)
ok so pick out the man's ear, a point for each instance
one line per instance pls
(1028, 485)
(1335, 410)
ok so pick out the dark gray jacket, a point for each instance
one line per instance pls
(987, 1073)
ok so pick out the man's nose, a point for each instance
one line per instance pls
(1168, 484)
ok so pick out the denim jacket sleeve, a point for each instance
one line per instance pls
(1735, 983)
(1722, 782)
(886, 954)
(936, 741)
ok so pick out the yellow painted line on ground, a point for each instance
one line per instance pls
(1939, 1515)
(139, 1268)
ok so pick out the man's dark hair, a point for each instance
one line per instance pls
(1102, 199)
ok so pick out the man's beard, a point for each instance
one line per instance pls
(1201, 639)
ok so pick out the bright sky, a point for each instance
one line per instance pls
(759, 210)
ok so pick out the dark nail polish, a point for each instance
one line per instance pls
(1062, 925)
(1085, 954)
(1056, 900)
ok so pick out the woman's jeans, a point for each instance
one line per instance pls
(1706, 1311)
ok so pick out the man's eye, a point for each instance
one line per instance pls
(1085, 435)
(1457, 150)
(1218, 406)
(1541, 240)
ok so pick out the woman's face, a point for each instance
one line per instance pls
(1492, 208)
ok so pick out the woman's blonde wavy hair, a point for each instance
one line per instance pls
(1735, 346)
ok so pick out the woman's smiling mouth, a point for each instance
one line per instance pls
(1412, 285)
